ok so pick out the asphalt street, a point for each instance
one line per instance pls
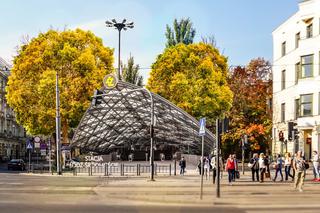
(21, 192)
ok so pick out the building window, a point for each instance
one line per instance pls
(283, 48)
(297, 39)
(306, 66)
(283, 112)
(309, 31)
(297, 72)
(296, 109)
(283, 79)
(306, 105)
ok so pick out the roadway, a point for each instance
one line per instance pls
(21, 192)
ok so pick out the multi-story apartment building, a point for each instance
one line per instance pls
(296, 81)
(12, 135)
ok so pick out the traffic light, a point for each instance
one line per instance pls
(290, 129)
(281, 136)
(97, 98)
(295, 131)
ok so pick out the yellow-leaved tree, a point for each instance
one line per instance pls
(81, 61)
(194, 77)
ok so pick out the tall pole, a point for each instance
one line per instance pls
(50, 166)
(119, 74)
(218, 158)
(29, 169)
(242, 140)
(202, 167)
(58, 136)
(151, 138)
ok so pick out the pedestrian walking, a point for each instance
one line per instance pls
(287, 166)
(278, 167)
(206, 166)
(315, 163)
(262, 167)
(300, 171)
(199, 167)
(267, 162)
(236, 173)
(182, 165)
(254, 165)
(230, 168)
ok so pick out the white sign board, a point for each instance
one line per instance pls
(202, 130)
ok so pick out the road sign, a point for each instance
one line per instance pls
(43, 152)
(29, 145)
(37, 139)
(110, 81)
(202, 130)
(37, 145)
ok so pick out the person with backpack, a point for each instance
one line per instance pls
(230, 168)
(278, 167)
(254, 165)
(299, 166)
(315, 163)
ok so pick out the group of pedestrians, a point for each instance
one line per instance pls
(294, 167)
(260, 168)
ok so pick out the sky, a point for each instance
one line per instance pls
(242, 28)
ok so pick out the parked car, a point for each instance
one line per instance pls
(16, 164)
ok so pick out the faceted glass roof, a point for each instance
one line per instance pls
(122, 119)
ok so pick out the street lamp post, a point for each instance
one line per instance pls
(119, 26)
(58, 136)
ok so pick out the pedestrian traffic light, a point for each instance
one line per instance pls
(225, 125)
(97, 98)
(281, 136)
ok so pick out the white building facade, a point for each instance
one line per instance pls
(296, 81)
(12, 135)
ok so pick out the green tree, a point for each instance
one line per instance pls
(81, 61)
(130, 73)
(182, 32)
(194, 77)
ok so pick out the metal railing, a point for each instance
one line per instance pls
(122, 169)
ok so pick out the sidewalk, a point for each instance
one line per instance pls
(185, 190)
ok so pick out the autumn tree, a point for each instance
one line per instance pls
(182, 32)
(194, 77)
(81, 61)
(130, 73)
(250, 114)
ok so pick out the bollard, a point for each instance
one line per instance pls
(170, 169)
(175, 167)
(137, 169)
(91, 170)
(121, 169)
(105, 169)
(155, 169)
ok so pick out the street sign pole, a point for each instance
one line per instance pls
(218, 158)
(29, 160)
(50, 166)
(202, 167)
(202, 133)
